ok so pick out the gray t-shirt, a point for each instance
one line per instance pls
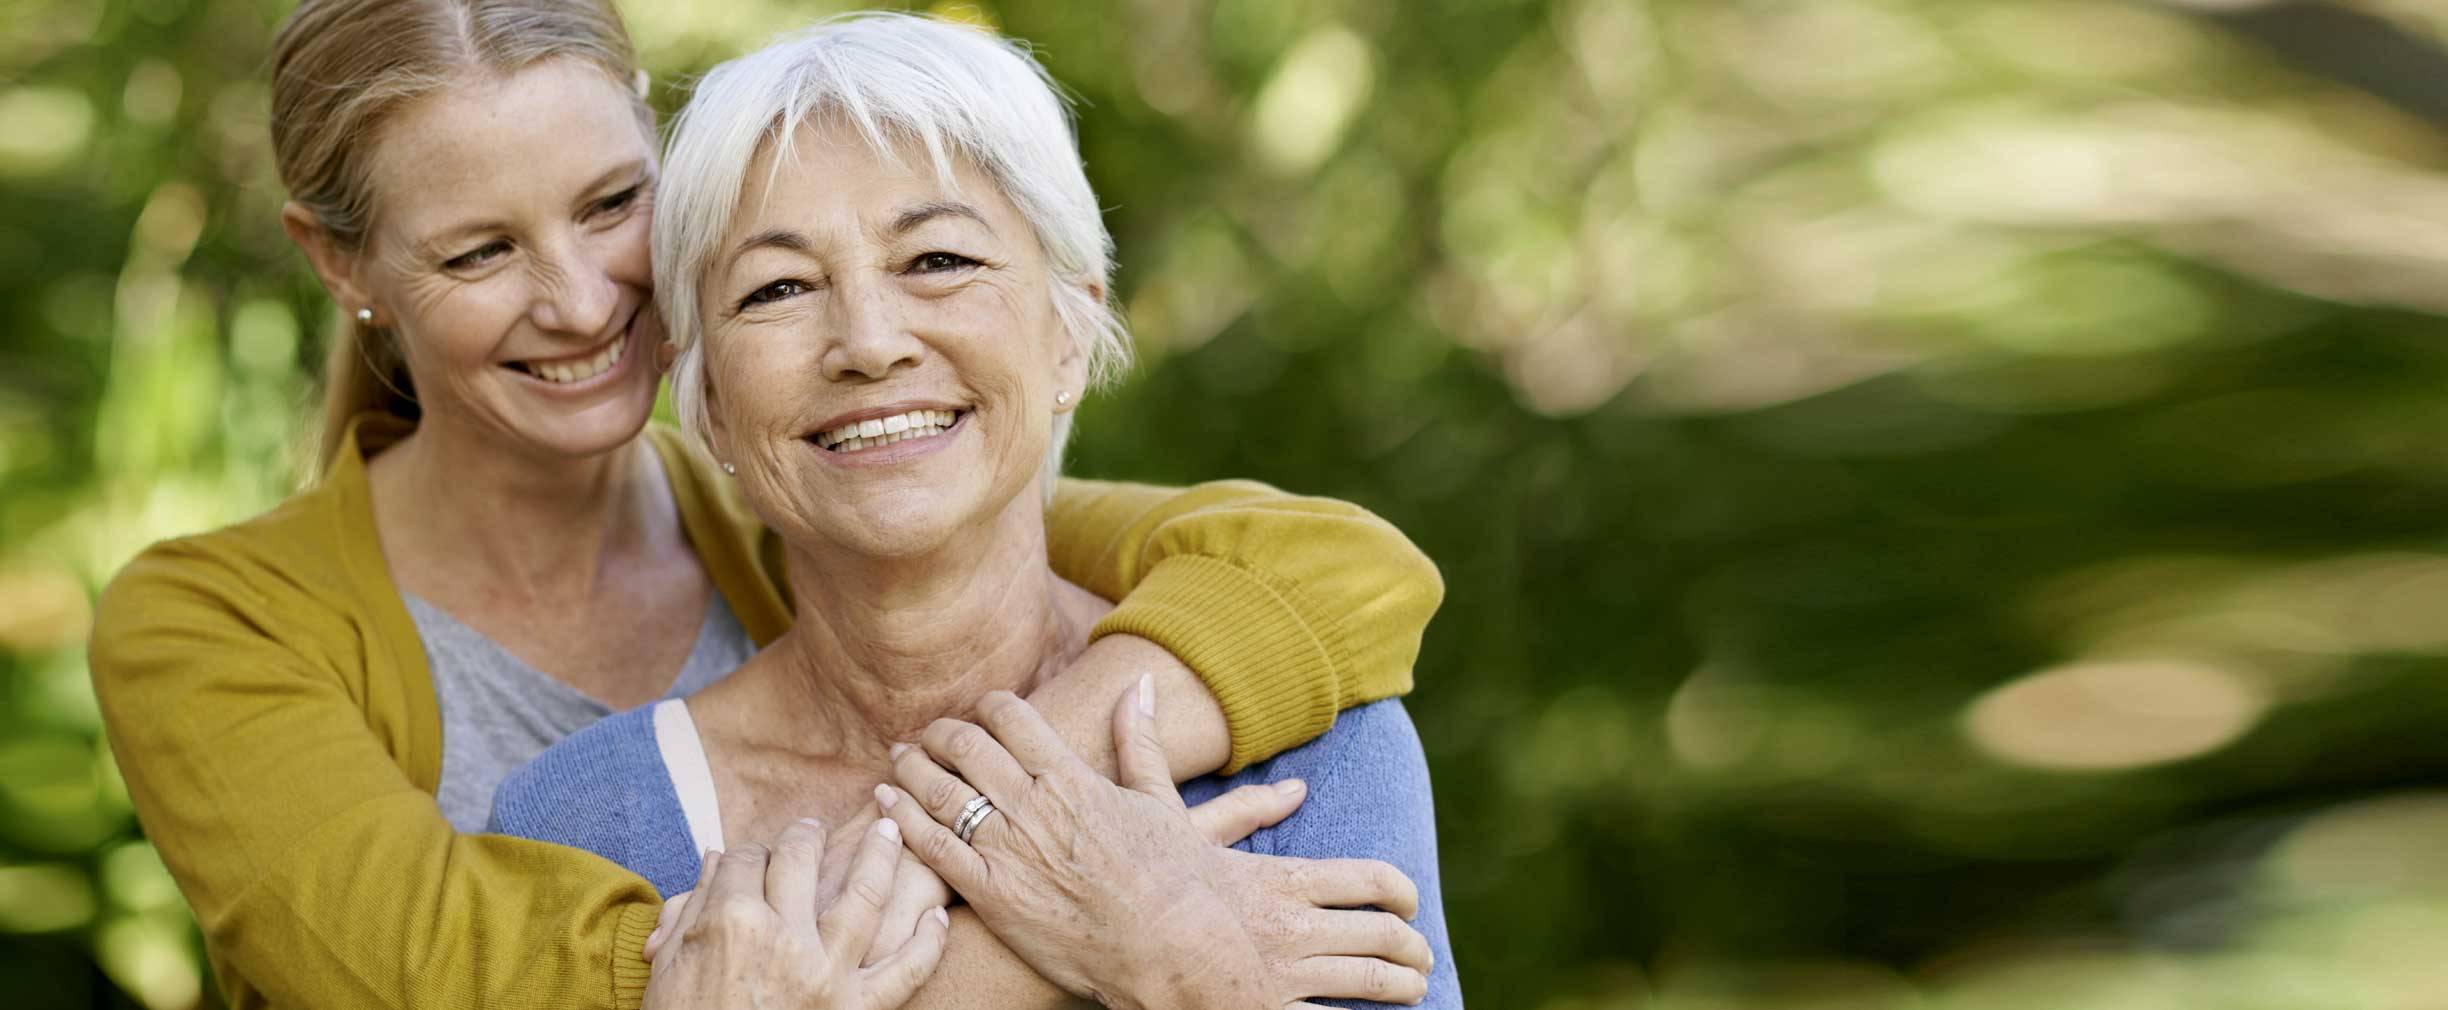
(498, 712)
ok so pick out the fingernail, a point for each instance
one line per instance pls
(942, 918)
(890, 830)
(1147, 694)
(654, 936)
(897, 749)
(811, 822)
(885, 797)
(1291, 787)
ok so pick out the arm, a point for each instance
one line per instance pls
(1289, 608)
(1369, 799)
(322, 875)
(1293, 608)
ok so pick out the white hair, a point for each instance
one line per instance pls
(955, 90)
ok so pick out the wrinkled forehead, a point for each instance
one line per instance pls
(864, 165)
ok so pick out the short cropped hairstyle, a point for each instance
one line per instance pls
(954, 91)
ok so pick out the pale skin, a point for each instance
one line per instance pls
(508, 237)
(855, 284)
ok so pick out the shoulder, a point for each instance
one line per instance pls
(1368, 798)
(1375, 743)
(1368, 790)
(554, 796)
(603, 789)
(286, 575)
(293, 545)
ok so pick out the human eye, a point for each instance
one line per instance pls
(618, 202)
(774, 292)
(478, 256)
(940, 262)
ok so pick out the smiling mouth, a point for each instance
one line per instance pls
(878, 432)
(575, 371)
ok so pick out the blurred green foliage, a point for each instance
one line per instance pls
(1941, 501)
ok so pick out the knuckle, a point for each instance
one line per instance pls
(998, 704)
(1387, 882)
(1388, 934)
(934, 846)
(867, 891)
(946, 794)
(730, 918)
(1392, 984)
(966, 740)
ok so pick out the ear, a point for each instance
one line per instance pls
(1071, 366)
(717, 435)
(332, 262)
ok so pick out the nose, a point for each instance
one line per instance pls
(870, 340)
(576, 295)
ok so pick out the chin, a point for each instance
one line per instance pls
(908, 523)
(591, 430)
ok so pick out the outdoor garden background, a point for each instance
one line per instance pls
(1943, 504)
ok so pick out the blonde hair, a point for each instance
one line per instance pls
(341, 70)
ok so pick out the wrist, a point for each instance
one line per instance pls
(1213, 970)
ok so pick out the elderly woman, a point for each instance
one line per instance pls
(887, 274)
(312, 708)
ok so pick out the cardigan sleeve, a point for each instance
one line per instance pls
(321, 874)
(1291, 609)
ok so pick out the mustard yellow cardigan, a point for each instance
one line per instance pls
(269, 704)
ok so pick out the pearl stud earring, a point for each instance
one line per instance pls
(729, 469)
(365, 316)
(1062, 398)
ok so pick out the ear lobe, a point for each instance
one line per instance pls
(717, 437)
(1071, 362)
(335, 265)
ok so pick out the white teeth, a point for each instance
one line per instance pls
(582, 370)
(883, 431)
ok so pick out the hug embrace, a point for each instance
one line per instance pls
(839, 695)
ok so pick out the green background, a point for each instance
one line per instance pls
(1940, 501)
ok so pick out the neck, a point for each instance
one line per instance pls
(882, 647)
(529, 523)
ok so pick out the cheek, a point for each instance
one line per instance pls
(628, 255)
(452, 325)
(747, 372)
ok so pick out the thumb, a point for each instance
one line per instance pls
(1139, 758)
(1236, 815)
(666, 924)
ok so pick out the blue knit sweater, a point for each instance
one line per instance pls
(607, 789)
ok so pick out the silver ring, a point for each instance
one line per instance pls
(972, 815)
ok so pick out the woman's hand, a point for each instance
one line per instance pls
(749, 933)
(1090, 882)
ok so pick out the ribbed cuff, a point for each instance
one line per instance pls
(629, 967)
(1255, 641)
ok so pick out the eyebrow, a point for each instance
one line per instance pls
(772, 238)
(594, 190)
(926, 212)
(439, 240)
(903, 223)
